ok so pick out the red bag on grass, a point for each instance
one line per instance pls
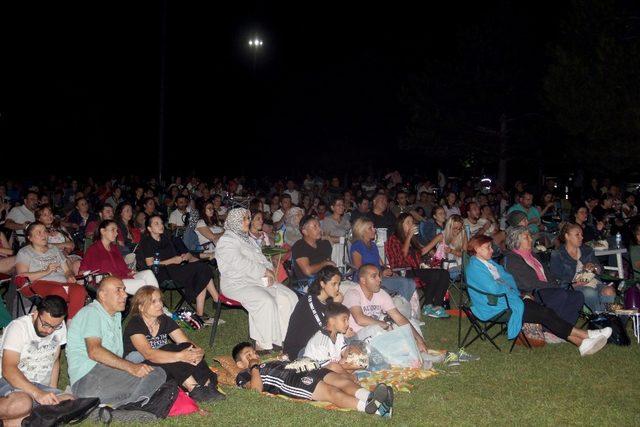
(183, 405)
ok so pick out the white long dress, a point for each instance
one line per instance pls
(242, 267)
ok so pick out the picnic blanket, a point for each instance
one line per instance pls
(401, 379)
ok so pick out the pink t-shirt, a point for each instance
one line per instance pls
(379, 304)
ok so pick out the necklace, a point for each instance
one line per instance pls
(151, 326)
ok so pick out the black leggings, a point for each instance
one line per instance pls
(436, 282)
(180, 371)
(536, 313)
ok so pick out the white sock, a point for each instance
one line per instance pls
(361, 405)
(362, 394)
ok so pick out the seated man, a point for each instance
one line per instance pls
(94, 353)
(308, 382)
(105, 212)
(31, 352)
(369, 303)
(14, 408)
(310, 253)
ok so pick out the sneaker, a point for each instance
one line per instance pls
(441, 313)
(216, 393)
(452, 359)
(380, 401)
(592, 345)
(107, 414)
(428, 310)
(604, 331)
(201, 393)
(463, 356)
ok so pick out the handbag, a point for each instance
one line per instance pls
(183, 405)
(534, 334)
(618, 335)
(160, 403)
(66, 412)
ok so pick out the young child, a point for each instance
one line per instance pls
(326, 345)
(277, 377)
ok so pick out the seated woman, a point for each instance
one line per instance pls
(308, 314)
(404, 251)
(337, 225)
(58, 236)
(484, 276)
(364, 250)
(155, 339)
(256, 232)
(103, 255)
(208, 228)
(196, 277)
(589, 232)
(571, 260)
(530, 274)
(292, 225)
(128, 235)
(7, 259)
(247, 276)
(47, 269)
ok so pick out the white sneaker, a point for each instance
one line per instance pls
(596, 332)
(592, 345)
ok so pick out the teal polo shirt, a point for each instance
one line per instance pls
(531, 213)
(91, 322)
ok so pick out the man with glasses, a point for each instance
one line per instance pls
(31, 352)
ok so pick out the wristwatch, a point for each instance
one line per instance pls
(254, 366)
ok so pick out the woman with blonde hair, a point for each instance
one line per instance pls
(155, 338)
(365, 251)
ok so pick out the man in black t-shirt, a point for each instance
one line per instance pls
(382, 218)
(310, 253)
(306, 380)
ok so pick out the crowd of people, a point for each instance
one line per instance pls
(404, 242)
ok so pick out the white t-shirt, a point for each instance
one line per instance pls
(20, 215)
(202, 240)
(376, 307)
(177, 218)
(321, 349)
(295, 196)
(37, 354)
(474, 228)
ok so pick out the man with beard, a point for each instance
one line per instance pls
(31, 352)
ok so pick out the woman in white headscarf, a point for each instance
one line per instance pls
(247, 277)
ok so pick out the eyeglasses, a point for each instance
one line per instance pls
(50, 326)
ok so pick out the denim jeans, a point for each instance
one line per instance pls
(593, 299)
(116, 388)
(400, 285)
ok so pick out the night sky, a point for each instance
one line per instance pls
(82, 81)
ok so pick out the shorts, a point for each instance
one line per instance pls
(298, 385)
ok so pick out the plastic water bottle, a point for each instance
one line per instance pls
(467, 229)
(155, 267)
(618, 240)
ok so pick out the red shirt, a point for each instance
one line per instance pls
(111, 261)
(396, 259)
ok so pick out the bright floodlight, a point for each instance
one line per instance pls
(250, 42)
(255, 43)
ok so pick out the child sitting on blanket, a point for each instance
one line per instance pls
(327, 346)
(309, 382)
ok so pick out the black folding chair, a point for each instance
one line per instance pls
(483, 329)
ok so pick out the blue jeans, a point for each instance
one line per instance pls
(400, 285)
(593, 299)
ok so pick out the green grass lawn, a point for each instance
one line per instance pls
(545, 386)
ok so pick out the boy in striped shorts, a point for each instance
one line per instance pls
(310, 382)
